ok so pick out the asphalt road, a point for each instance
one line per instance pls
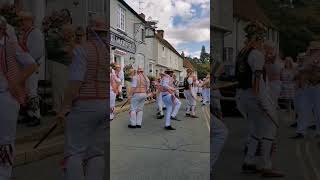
(149, 153)
(298, 159)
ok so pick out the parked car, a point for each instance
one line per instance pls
(181, 89)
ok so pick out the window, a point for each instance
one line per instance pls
(121, 19)
(142, 35)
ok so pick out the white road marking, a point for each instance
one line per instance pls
(207, 116)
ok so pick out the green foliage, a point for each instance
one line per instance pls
(298, 26)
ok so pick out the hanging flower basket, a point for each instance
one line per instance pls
(9, 12)
(56, 44)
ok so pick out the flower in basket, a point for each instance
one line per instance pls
(9, 12)
(127, 72)
(60, 36)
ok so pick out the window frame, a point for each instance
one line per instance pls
(121, 16)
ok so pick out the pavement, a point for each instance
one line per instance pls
(149, 153)
(297, 159)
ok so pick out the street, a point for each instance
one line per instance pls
(298, 159)
(149, 153)
(152, 153)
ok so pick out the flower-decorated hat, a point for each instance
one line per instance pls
(255, 30)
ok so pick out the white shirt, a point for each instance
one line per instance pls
(35, 44)
(22, 58)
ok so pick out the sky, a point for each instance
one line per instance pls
(186, 23)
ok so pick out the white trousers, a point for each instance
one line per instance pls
(191, 102)
(261, 129)
(219, 134)
(112, 104)
(206, 95)
(59, 72)
(9, 115)
(167, 100)
(176, 107)
(160, 103)
(275, 88)
(86, 131)
(137, 105)
(313, 95)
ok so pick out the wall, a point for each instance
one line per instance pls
(132, 23)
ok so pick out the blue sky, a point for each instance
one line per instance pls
(186, 22)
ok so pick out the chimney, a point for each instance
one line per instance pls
(160, 33)
(143, 16)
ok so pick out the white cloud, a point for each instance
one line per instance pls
(194, 29)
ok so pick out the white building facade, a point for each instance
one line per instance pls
(235, 41)
(127, 32)
(165, 55)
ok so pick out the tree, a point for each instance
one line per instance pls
(182, 54)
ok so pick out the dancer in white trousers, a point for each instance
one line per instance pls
(32, 41)
(168, 98)
(206, 90)
(190, 95)
(138, 95)
(219, 131)
(261, 110)
(115, 82)
(12, 94)
(86, 99)
(160, 113)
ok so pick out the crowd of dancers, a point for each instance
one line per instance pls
(264, 83)
(166, 91)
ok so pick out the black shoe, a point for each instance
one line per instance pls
(169, 128)
(294, 125)
(194, 116)
(35, 122)
(138, 126)
(132, 127)
(160, 117)
(187, 115)
(297, 136)
(24, 120)
(313, 127)
(249, 169)
(175, 118)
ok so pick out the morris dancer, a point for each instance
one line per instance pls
(177, 102)
(114, 90)
(168, 98)
(260, 105)
(160, 114)
(32, 42)
(12, 94)
(219, 132)
(86, 95)
(206, 90)
(189, 94)
(138, 95)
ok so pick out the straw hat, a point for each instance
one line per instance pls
(255, 30)
(189, 70)
(168, 71)
(117, 66)
(140, 69)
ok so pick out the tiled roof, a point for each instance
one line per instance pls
(187, 64)
(167, 44)
(250, 10)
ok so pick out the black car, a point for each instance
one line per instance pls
(181, 89)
